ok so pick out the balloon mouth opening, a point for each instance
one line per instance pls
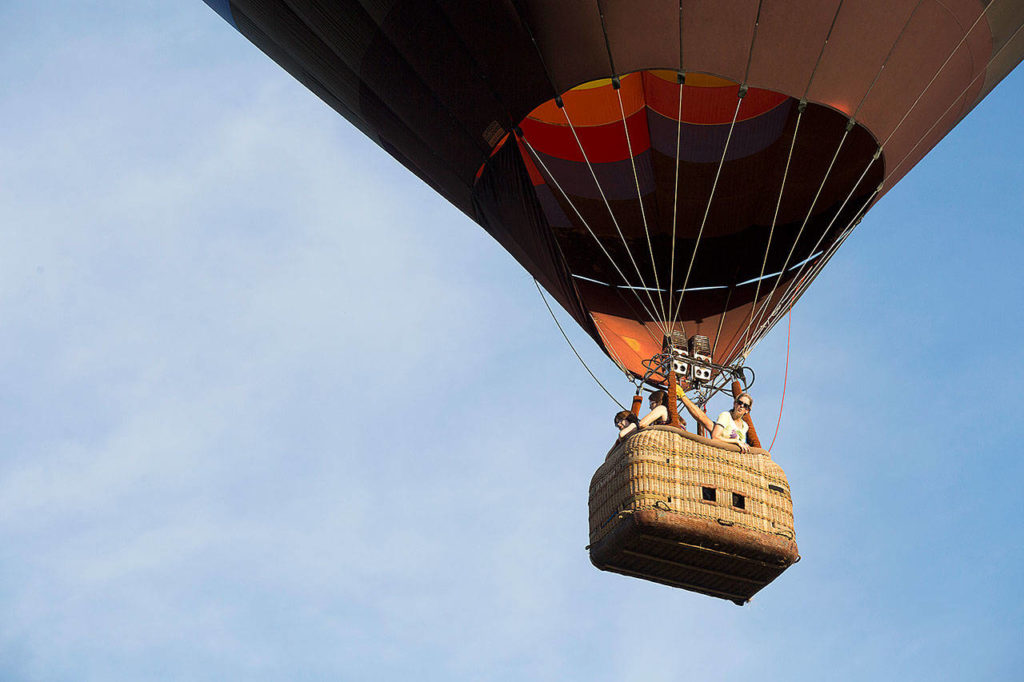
(691, 200)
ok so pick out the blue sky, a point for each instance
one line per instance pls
(272, 409)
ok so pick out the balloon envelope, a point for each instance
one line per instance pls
(654, 165)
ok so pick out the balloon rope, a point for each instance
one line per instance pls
(640, 198)
(740, 95)
(810, 211)
(981, 16)
(798, 285)
(771, 231)
(615, 356)
(725, 309)
(540, 162)
(782, 187)
(753, 40)
(707, 208)
(821, 52)
(892, 49)
(814, 250)
(611, 213)
(956, 99)
(675, 185)
(747, 344)
(564, 336)
(785, 380)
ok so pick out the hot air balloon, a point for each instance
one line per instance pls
(674, 173)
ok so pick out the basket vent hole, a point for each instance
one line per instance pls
(778, 489)
(707, 493)
(738, 501)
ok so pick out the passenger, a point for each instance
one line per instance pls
(627, 423)
(730, 426)
(658, 416)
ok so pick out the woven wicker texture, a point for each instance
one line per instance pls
(672, 507)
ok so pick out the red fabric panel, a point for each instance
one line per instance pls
(707, 105)
(603, 144)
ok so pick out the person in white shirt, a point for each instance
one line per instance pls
(730, 426)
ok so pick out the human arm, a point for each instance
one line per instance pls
(698, 414)
(628, 429)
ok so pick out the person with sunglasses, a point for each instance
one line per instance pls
(730, 426)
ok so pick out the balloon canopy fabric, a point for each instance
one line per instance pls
(655, 165)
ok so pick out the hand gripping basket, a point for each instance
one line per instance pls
(673, 507)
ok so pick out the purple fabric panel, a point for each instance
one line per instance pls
(704, 143)
(616, 178)
(552, 209)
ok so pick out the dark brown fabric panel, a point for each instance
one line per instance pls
(921, 53)
(343, 32)
(790, 36)
(452, 75)
(643, 39)
(508, 209)
(1004, 62)
(334, 82)
(254, 34)
(737, 228)
(497, 41)
(717, 36)
(570, 38)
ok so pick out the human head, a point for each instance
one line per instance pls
(659, 398)
(743, 400)
(624, 416)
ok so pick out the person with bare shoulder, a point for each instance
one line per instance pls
(730, 427)
(659, 416)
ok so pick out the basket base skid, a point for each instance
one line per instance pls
(693, 554)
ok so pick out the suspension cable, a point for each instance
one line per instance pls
(578, 357)
(794, 292)
(789, 157)
(740, 95)
(707, 209)
(821, 238)
(775, 218)
(956, 99)
(754, 306)
(611, 213)
(981, 16)
(537, 158)
(681, 78)
(810, 210)
(790, 296)
(640, 199)
(785, 380)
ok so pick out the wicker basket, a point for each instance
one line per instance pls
(675, 508)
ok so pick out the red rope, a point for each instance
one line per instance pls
(784, 379)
